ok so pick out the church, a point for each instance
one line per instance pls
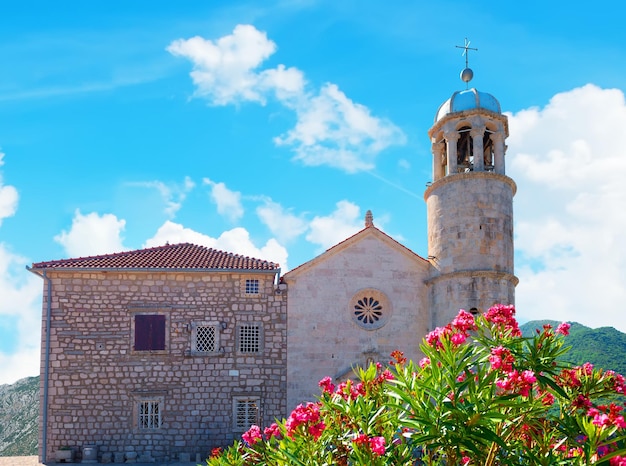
(167, 352)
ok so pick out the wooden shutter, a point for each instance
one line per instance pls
(149, 332)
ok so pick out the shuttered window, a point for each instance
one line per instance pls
(149, 332)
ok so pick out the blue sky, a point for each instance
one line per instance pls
(270, 128)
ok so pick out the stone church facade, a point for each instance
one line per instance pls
(166, 352)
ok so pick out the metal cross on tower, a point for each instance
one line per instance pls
(467, 74)
(465, 48)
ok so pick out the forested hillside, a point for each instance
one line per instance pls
(604, 347)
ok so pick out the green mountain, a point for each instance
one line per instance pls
(604, 347)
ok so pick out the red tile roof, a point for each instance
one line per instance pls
(170, 256)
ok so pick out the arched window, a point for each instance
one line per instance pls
(488, 151)
(465, 150)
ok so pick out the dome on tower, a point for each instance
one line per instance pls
(468, 100)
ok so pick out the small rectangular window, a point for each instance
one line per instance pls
(245, 413)
(149, 332)
(249, 338)
(149, 414)
(252, 286)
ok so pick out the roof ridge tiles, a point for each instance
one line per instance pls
(168, 256)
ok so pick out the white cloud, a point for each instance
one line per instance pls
(8, 197)
(569, 161)
(331, 129)
(342, 223)
(228, 202)
(92, 234)
(224, 70)
(281, 222)
(20, 310)
(236, 241)
(173, 195)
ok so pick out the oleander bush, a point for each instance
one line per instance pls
(482, 395)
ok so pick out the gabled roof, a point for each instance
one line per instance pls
(369, 230)
(184, 256)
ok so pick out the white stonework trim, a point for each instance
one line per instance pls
(151, 417)
(205, 338)
(475, 274)
(451, 178)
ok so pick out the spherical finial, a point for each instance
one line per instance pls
(466, 75)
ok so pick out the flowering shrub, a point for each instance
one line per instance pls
(482, 395)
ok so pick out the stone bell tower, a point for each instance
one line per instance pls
(469, 206)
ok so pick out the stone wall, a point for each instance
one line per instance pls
(96, 377)
(325, 339)
(470, 243)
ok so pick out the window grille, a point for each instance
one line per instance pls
(206, 339)
(252, 286)
(250, 338)
(246, 413)
(149, 414)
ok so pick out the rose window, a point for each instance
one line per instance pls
(370, 309)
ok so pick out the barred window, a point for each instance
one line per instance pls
(245, 413)
(249, 336)
(252, 286)
(149, 412)
(205, 338)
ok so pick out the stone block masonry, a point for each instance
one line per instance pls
(169, 400)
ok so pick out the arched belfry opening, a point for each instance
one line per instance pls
(464, 150)
(468, 135)
(488, 152)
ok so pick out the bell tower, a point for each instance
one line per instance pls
(469, 206)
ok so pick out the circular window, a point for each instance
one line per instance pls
(370, 309)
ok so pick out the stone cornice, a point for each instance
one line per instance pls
(465, 115)
(469, 176)
(495, 275)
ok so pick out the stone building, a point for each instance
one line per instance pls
(180, 348)
(163, 351)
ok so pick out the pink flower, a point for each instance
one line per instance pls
(563, 328)
(503, 317)
(517, 383)
(252, 436)
(501, 358)
(272, 431)
(424, 362)
(326, 385)
(464, 322)
(458, 339)
(618, 461)
(434, 337)
(317, 429)
(361, 439)
(377, 444)
(303, 414)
